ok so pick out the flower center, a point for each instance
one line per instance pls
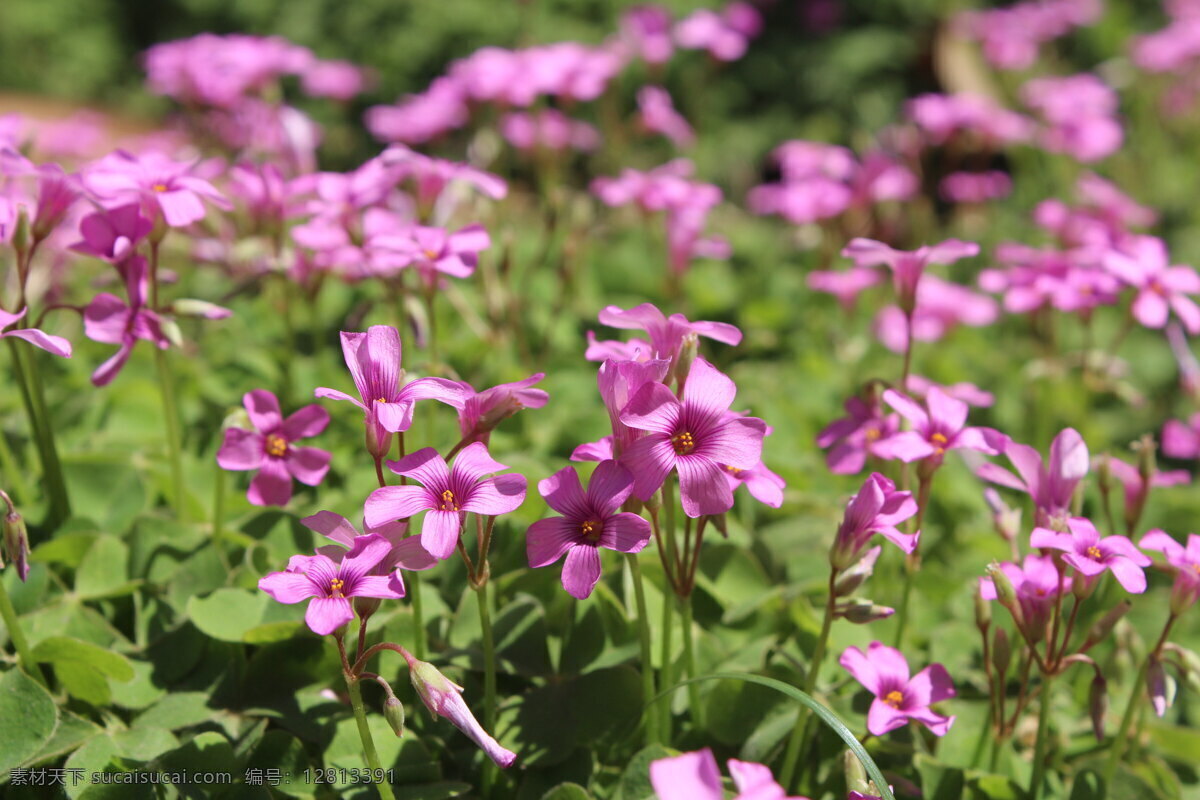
(159, 187)
(277, 446)
(431, 255)
(939, 441)
(684, 443)
(591, 530)
(873, 434)
(336, 586)
(1094, 552)
(448, 503)
(894, 698)
(735, 471)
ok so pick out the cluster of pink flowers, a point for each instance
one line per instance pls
(1080, 115)
(1012, 35)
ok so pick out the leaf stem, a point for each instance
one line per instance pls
(639, 593)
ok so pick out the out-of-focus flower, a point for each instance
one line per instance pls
(658, 115)
(1183, 561)
(338, 80)
(436, 251)
(853, 437)
(165, 188)
(111, 320)
(647, 30)
(56, 345)
(907, 266)
(114, 234)
(1161, 288)
(942, 116)
(548, 129)
(420, 118)
(1182, 439)
(883, 671)
(1036, 584)
(941, 428)
(221, 71)
(1011, 35)
(1050, 484)
(975, 187)
(1080, 111)
(940, 306)
(725, 35)
(668, 334)
(1091, 555)
(695, 776)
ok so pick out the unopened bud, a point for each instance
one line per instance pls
(860, 611)
(237, 418)
(720, 523)
(983, 613)
(1160, 686)
(191, 307)
(21, 235)
(171, 331)
(393, 712)
(1098, 705)
(16, 542)
(366, 606)
(853, 577)
(1001, 651)
(1005, 593)
(856, 774)
(684, 358)
(1104, 626)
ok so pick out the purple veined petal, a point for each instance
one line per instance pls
(581, 570)
(410, 554)
(994, 473)
(439, 532)
(707, 388)
(109, 369)
(625, 532)
(609, 487)
(718, 331)
(890, 664)
(654, 408)
(386, 587)
(326, 614)
(331, 525)
(308, 421)
(600, 450)
(930, 685)
(944, 410)
(1158, 539)
(643, 317)
(1085, 566)
(389, 503)
(394, 417)
(55, 345)
(334, 394)
(379, 357)
(470, 239)
(424, 466)
(649, 459)
(180, 208)
(1150, 308)
(272, 486)
(1131, 577)
(702, 486)
(737, 442)
(241, 450)
(1123, 547)
(906, 446)
(445, 391)
(499, 495)
(936, 723)
(907, 408)
(365, 554)
(1053, 540)
(263, 408)
(354, 343)
(308, 464)
(474, 461)
(855, 662)
(882, 718)
(288, 587)
(691, 776)
(105, 319)
(563, 493)
(548, 539)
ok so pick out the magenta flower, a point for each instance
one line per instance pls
(658, 115)
(113, 234)
(696, 436)
(436, 250)
(846, 285)
(647, 29)
(1142, 263)
(1137, 488)
(667, 334)
(907, 266)
(763, 485)
(1091, 556)
(975, 187)
(695, 776)
(418, 118)
(56, 345)
(406, 553)
(337, 80)
(940, 305)
(270, 449)
(431, 175)
(1036, 583)
(725, 35)
(618, 382)
(110, 320)
(1051, 485)
(1182, 439)
(443, 698)
(446, 494)
(1183, 561)
(165, 188)
(877, 509)
(483, 411)
(942, 116)
(935, 431)
(374, 361)
(898, 698)
(1080, 112)
(548, 129)
(590, 520)
(852, 438)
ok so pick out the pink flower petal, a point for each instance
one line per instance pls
(241, 450)
(581, 570)
(263, 408)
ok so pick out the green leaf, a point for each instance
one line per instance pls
(939, 781)
(271, 632)
(733, 709)
(66, 549)
(567, 791)
(72, 732)
(29, 718)
(177, 710)
(1088, 786)
(143, 743)
(284, 752)
(84, 669)
(103, 571)
(93, 756)
(635, 780)
(227, 614)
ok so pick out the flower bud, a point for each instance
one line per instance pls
(853, 577)
(237, 418)
(860, 611)
(1006, 520)
(21, 234)
(1001, 651)
(856, 774)
(16, 542)
(443, 697)
(1005, 593)
(191, 307)
(393, 712)
(171, 331)
(983, 613)
(1160, 686)
(366, 606)
(1098, 705)
(683, 360)
(1103, 627)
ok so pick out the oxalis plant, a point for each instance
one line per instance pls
(267, 421)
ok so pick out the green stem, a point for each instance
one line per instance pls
(60, 508)
(1043, 736)
(171, 418)
(667, 680)
(218, 516)
(489, 677)
(17, 635)
(1126, 726)
(639, 594)
(364, 733)
(14, 476)
(36, 425)
(902, 608)
(414, 595)
(689, 660)
(799, 738)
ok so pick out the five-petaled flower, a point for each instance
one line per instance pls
(1051, 484)
(695, 776)
(1091, 556)
(877, 508)
(270, 448)
(941, 428)
(589, 521)
(1183, 560)
(884, 672)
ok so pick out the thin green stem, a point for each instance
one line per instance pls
(489, 676)
(17, 635)
(218, 516)
(60, 506)
(799, 738)
(667, 680)
(689, 660)
(36, 425)
(171, 417)
(902, 608)
(364, 733)
(414, 595)
(1043, 738)
(639, 594)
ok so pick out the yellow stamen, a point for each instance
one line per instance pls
(1094, 552)
(277, 446)
(894, 698)
(939, 442)
(591, 530)
(873, 434)
(448, 503)
(684, 443)
(336, 586)
(431, 255)
(733, 470)
(159, 187)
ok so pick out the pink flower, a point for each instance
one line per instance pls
(589, 521)
(1036, 583)
(548, 129)
(221, 70)
(975, 187)
(919, 386)
(725, 35)
(667, 334)
(114, 234)
(374, 361)
(433, 251)
(406, 553)
(446, 494)
(846, 285)
(935, 431)
(339, 80)
(443, 698)
(1051, 485)
(1137, 488)
(619, 382)
(166, 189)
(1091, 556)
(1142, 263)
(658, 115)
(56, 345)
(696, 436)
(483, 411)
(941, 116)
(898, 698)
(907, 266)
(763, 485)
(1182, 439)
(270, 449)
(855, 436)
(420, 118)
(431, 175)
(331, 585)
(110, 320)
(1080, 111)
(877, 509)
(1183, 561)
(940, 306)
(648, 30)
(694, 776)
